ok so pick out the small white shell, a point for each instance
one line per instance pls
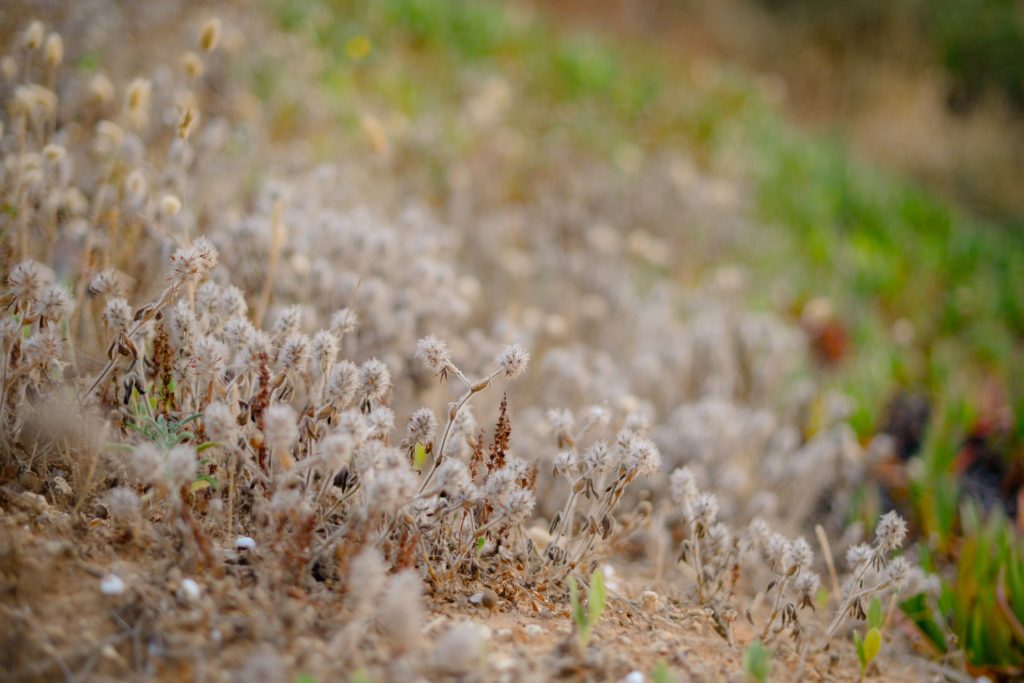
(112, 584)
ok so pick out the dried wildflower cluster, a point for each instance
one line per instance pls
(285, 388)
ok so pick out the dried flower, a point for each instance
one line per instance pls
(374, 380)
(342, 383)
(422, 427)
(53, 50)
(209, 36)
(281, 426)
(435, 355)
(220, 424)
(890, 532)
(33, 36)
(513, 360)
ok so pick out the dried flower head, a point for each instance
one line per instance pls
(32, 39)
(374, 380)
(209, 36)
(513, 360)
(220, 424)
(435, 355)
(53, 50)
(117, 315)
(422, 427)
(281, 426)
(890, 532)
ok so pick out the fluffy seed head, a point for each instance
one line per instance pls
(342, 383)
(374, 380)
(220, 423)
(53, 50)
(282, 430)
(890, 532)
(422, 427)
(513, 360)
(117, 315)
(434, 354)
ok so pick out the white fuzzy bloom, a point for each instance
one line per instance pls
(806, 586)
(232, 303)
(294, 354)
(857, 555)
(117, 315)
(45, 349)
(644, 455)
(367, 575)
(517, 506)
(336, 449)
(598, 458)
(282, 430)
(434, 353)
(180, 465)
(565, 462)
(220, 424)
(123, 503)
(288, 323)
(189, 265)
(890, 532)
(26, 283)
(342, 383)
(561, 421)
(323, 350)
(146, 462)
(53, 303)
(452, 477)
(381, 421)
(208, 360)
(422, 427)
(354, 426)
(238, 332)
(899, 572)
(374, 380)
(184, 328)
(513, 360)
(683, 487)
(400, 613)
(799, 556)
(344, 322)
(105, 283)
(705, 509)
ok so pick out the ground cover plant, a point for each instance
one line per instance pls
(323, 373)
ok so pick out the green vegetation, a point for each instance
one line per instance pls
(586, 618)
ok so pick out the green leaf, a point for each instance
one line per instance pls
(757, 662)
(596, 598)
(858, 645)
(578, 615)
(661, 673)
(419, 457)
(872, 646)
(480, 542)
(207, 445)
(198, 485)
(875, 613)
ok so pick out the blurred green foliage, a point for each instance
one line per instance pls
(980, 42)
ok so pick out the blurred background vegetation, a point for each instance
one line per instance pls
(882, 141)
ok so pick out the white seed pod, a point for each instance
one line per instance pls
(53, 50)
(32, 39)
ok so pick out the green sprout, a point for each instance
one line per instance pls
(870, 645)
(587, 618)
(757, 662)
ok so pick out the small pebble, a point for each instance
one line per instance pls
(534, 630)
(649, 599)
(244, 543)
(489, 599)
(633, 677)
(112, 584)
(190, 590)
